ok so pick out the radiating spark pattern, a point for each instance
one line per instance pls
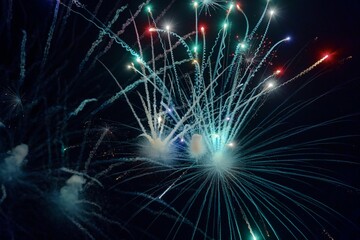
(217, 103)
(207, 6)
(202, 145)
(232, 176)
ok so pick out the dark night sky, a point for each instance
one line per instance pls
(316, 27)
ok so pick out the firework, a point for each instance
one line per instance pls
(206, 148)
(236, 168)
(47, 136)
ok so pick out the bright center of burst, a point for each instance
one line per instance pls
(221, 161)
(270, 85)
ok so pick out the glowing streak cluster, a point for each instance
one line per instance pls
(215, 102)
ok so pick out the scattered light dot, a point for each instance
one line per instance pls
(231, 6)
(325, 55)
(270, 85)
(231, 144)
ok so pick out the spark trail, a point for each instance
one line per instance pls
(307, 70)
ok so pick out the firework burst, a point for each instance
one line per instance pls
(209, 150)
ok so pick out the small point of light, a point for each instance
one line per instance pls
(130, 66)
(227, 118)
(148, 9)
(202, 29)
(182, 140)
(231, 144)
(238, 6)
(225, 25)
(138, 60)
(160, 119)
(288, 38)
(326, 56)
(242, 45)
(270, 85)
(151, 29)
(196, 4)
(272, 12)
(167, 27)
(277, 72)
(231, 6)
(215, 135)
(195, 49)
(194, 61)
